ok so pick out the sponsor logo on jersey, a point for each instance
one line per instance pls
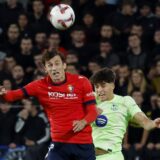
(60, 95)
(101, 121)
(114, 107)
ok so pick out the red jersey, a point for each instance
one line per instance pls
(64, 103)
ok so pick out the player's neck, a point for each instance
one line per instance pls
(110, 97)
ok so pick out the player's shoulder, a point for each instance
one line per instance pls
(128, 100)
(125, 100)
(77, 77)
(41, 81)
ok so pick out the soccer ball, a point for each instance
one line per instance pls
(62, 16)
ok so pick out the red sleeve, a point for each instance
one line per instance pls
(26, 91)
(89, 101)
(92, 113)
(31, 88)
(88, 94)
(12, 96)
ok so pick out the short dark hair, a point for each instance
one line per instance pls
(50, 54)
(103, 75)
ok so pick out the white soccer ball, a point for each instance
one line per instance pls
(62, 16)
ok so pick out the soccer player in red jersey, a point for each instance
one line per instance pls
(69, 103)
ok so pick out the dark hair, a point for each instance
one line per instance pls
(50, 54)
(103, 75)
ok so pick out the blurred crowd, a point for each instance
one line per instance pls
(121, 34)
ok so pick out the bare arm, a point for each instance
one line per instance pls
(141, 119)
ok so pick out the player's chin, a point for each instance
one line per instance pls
(102, 98)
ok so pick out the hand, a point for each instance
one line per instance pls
(126, 146)
(12, 145)
(99, 110)
(79, 125)
(23, 114)
(2, 91)
(29, 142)
(150, 146)
(157, 122)
(138, 146)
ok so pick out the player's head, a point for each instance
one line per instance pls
(54, 63)
(103, 81)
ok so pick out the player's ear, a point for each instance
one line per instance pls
(113, 86)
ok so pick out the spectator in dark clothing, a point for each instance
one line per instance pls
(153, 146)
(155, 79)
(24, 24)
(3, 74)
(156, 48)
(38, 18)
(11, 9)
(99, 8)
(136, 57)
(94, 65)
(78, 44)
(157, 16)
(146, 19)
(91, 28)
(122, 80)
(25, 57)
(54, 43)
(33, 130)
(106, 52)
(146, 42)
(38, 64)
(10, 62)
(11, 42)
(107, 31)
(18, 75)
(40, 41)
(124, 19)
(7, 122)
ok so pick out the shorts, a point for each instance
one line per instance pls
(70, 151)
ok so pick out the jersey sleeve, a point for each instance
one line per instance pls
(27, 91)
(88, 94)
(30, 89)
(132, 107)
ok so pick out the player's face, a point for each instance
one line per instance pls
(104, 91)
(55, 67)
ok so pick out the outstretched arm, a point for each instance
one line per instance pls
(11, 96)
(148, 124)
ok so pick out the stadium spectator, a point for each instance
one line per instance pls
(11, 42)
(7, 122)
(153, 145)
(136, 57)
(33, 130)
(122, 80)
(106, 52)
